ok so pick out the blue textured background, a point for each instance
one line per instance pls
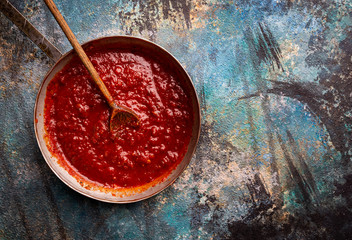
(274, 158)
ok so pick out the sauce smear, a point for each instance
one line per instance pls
(77, 119)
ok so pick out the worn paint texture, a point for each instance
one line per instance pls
(274, 158)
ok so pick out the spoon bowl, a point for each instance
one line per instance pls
(121, 117)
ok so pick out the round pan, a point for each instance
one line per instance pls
(91, 189)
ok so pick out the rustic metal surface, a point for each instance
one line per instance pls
(27, 28)
(274, 159)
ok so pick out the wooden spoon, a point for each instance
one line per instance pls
(120, 116)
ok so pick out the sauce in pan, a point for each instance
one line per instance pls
(77, 119)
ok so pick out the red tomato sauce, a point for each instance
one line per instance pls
(77, 118)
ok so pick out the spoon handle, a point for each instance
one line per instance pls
(79, 50)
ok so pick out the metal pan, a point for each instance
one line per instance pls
(82, 185)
